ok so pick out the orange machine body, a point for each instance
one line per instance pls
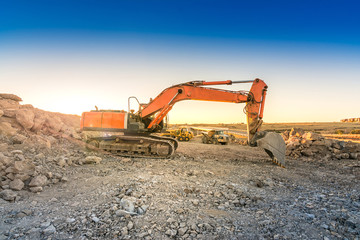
(100, 120)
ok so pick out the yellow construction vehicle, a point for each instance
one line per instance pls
(215, 137)
(181, 134)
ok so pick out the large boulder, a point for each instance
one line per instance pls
(312, 136)
(54, 124)
(24, 167)
(6, 129)
(8, 195)
(11, 113)
(1, 113)
(26, 118)
(10, 97)
(39, 122)
(38, 181)
(298, 132)
(16, 185)
(8, 103)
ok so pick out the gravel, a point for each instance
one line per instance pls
(203, 192)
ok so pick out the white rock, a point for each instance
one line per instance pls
(127, 203)
(36, 189)
(91, 159)
(70, 220)
(95, 219)
(49, 230)
(130, 225)
(38, 181)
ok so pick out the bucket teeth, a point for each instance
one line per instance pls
(278, 163)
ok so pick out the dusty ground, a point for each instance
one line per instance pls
(203, 192)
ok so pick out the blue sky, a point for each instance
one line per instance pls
(58, 53)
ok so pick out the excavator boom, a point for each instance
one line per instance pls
(254, 99)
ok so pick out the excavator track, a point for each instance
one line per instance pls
(172, 140)
(135, 146)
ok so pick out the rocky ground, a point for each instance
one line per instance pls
(52, 188)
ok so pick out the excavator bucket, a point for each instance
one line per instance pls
(273, 144)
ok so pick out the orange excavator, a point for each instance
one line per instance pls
(132, 133)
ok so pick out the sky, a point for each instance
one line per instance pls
(68, 56)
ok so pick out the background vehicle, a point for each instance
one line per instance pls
(215, 137)
(181, 134)
(130, 134)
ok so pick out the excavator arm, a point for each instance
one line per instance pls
(157, 109)
(254, 100)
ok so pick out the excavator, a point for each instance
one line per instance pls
(132, 134)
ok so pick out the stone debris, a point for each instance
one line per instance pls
(49, 230)
(350, 120)
(91, 160)
(8, 195)
(38, 181)
(26, 118)
(16, 117)
(16, 185)
(315, 146)
(32, 142)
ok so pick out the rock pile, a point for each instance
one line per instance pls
(15, 117)
(35, 147)
(350, 120)
(38, 164)
(314, 145)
